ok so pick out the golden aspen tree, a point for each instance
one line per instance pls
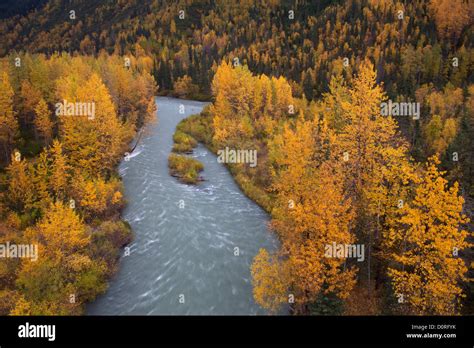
(311, 212)
(429, 237)
(140, 101)
(372, 154)
(291, 153)
(232, 120)
(283, 97)
(451, 16)
(43, 122)
(220, 109)
(40, 77)
(20, 190)
(8, 122)
(268, 107)
(96, 143)
(262, 110)
(124, 91)
(319, 218)
(332, 103)
(270, 280)
(30, 96)
(222, 79)
(60, 229)
(173, 27)
(96, 196)
(41, 181)
(47, 284)
(248, 106)
(150, 115)
(441, 130)
(59, 178)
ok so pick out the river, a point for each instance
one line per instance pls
(193, 245)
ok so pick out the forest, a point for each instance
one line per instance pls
(59, 187)
(300, 82)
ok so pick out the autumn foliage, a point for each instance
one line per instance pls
(338, 171)
(305, 92)
(62, 192)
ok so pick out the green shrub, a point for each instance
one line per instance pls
(199, 127)
(186, 169)
(183, 143)
(107, 240)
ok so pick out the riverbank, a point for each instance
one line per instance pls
(196, 241)
(61, 191)
(200, 128)
(201, 97)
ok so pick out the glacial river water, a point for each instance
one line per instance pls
(183, 258)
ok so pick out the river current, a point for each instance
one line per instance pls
(193, 245)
